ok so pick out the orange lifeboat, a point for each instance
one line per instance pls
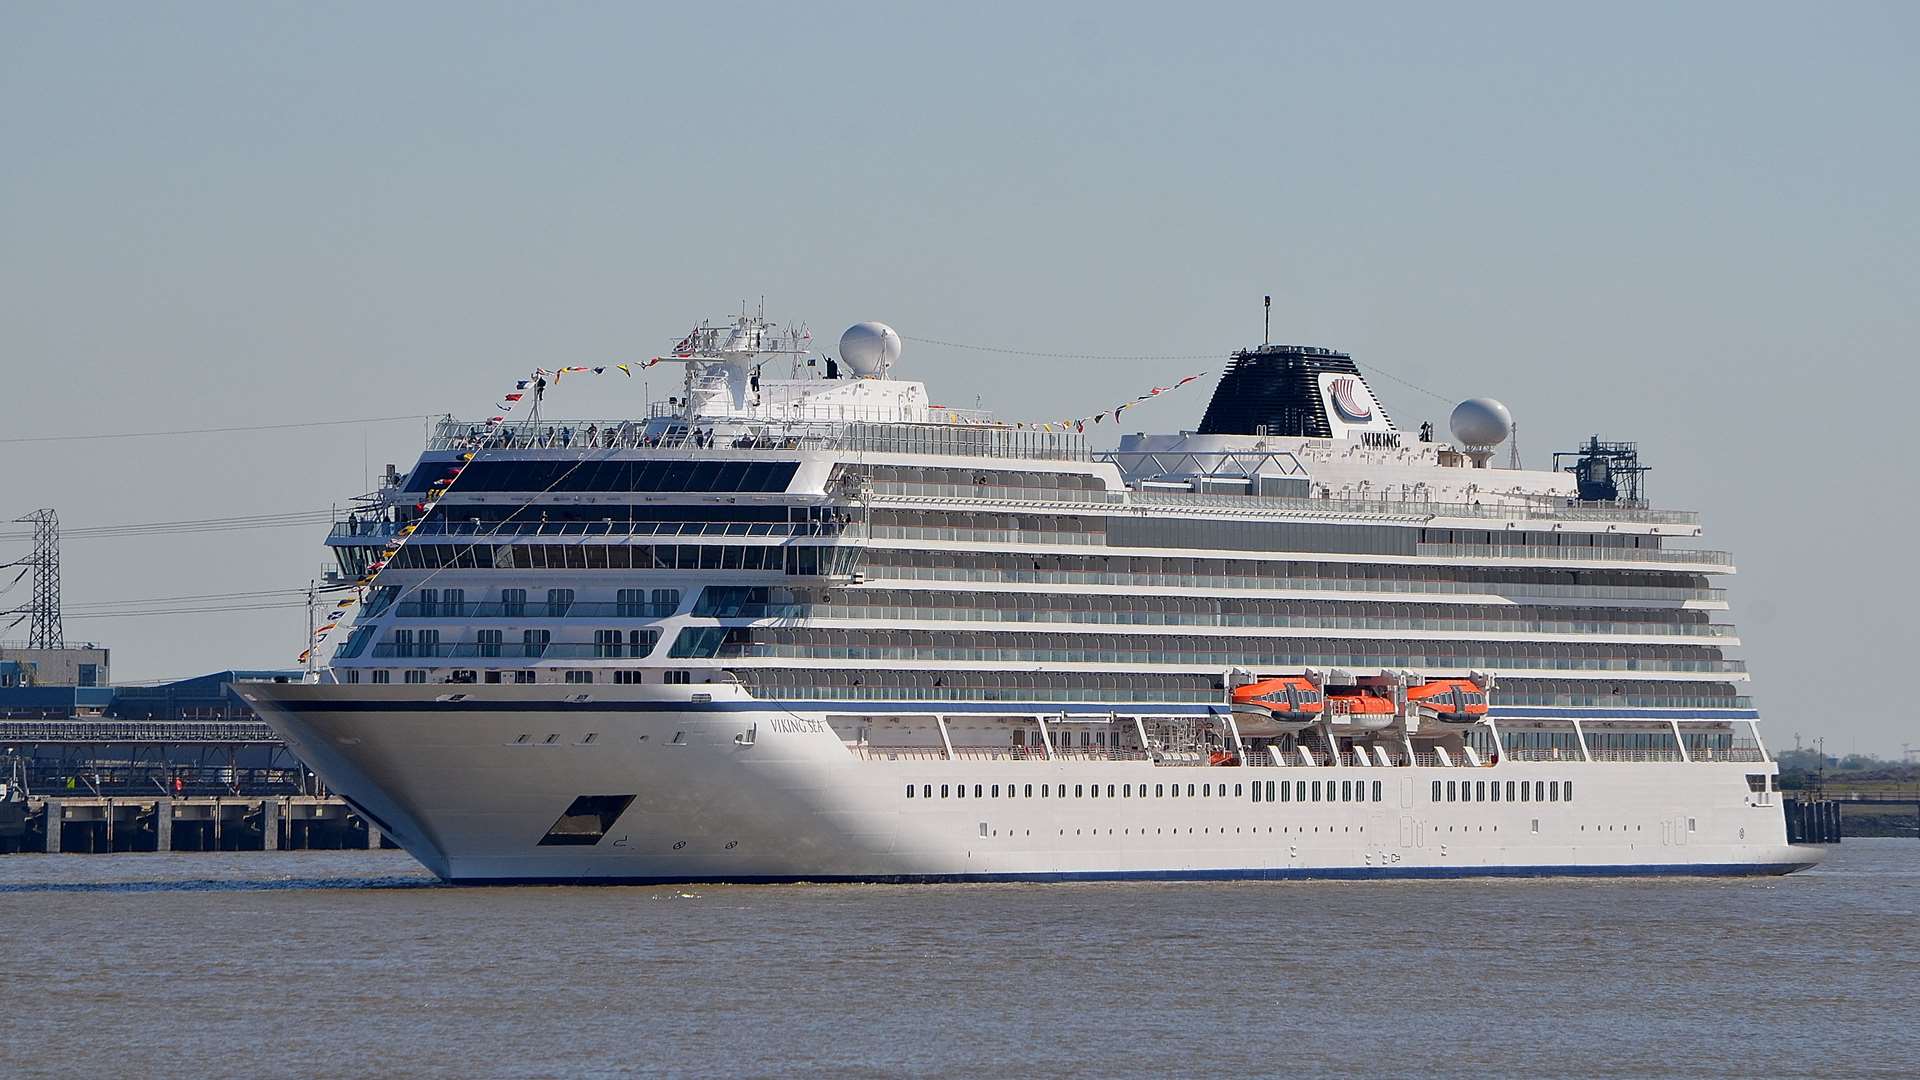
(1276, 706)
(1451, 701)
(1356, 707)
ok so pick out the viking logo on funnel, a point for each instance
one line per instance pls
(1351, 400)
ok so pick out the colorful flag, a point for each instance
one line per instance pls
(625, 370)
(516, 396)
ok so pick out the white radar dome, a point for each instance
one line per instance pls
(1481, 421)
(869, 348)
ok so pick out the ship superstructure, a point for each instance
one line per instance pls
(820, 628)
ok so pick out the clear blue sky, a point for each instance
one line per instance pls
(1690, 225)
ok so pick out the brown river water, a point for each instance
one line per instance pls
(326, 964)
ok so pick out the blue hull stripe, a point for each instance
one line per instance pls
(1356, 873)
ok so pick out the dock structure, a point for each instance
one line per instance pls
(99, 825)
(184, 766)
(1812, 821)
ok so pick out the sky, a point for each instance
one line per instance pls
(1693, 226)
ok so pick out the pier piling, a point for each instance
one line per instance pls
(77, 825)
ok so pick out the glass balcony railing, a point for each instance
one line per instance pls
(1574, 554)
(534, 609)
(485, 650)
(490, 529)
(878, 570)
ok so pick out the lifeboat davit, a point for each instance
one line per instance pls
(1351, 706)
(1276, 706)
(1450, 701)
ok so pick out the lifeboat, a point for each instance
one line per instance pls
(1352, 706)
(1276, 706)
(1450, 701)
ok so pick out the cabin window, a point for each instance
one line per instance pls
(1236, 791)
(1079, 791)
(1436, 791)
(1109, 791)
(1480, 791)
(1450, 791)
(1509, 791)
(1526, 791)
(996, 791)
(1286, 791)
(1567, 790)
(1270, 790)
(1159, 791)
(1553, 791)
(1256, 793)
(1126, 791)
(1299, 791)
(1189, 791)
(960, 791)
(1346, 791)
(1539, 791)
(1376, 791)
(1495, 791)
(943, 790)
(926, 791)
(909, 791)
(1030, 790)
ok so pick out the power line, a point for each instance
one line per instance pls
(99, 605)
(210, 430)
(1371, 368)
(182, 612)
(148, 528)
(1054, 355)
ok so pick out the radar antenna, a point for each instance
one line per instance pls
(1606, 471)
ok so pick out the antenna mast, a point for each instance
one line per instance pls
(1266, 332)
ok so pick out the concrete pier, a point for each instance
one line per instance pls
(88, 825)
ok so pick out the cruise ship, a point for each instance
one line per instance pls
(821, 628)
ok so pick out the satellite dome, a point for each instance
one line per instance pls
(1481, 421)
(869, 348)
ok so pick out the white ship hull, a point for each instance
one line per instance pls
(744, 791)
